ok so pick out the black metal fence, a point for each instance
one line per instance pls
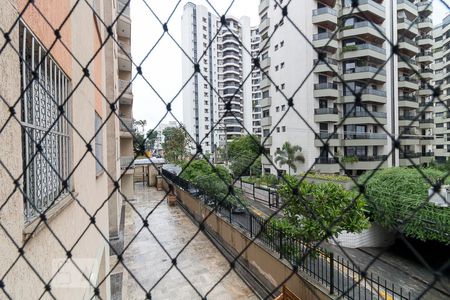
(334, 272)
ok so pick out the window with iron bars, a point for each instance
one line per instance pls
(45, 88)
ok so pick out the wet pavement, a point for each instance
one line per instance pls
(148, 262)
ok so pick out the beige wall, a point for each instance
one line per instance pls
(42, 249)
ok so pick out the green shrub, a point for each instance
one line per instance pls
(318, 210)
(394, 194)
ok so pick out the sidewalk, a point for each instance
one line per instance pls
(148, 263)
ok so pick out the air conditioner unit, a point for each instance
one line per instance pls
(441, 198)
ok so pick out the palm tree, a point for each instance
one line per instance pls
(289, 155)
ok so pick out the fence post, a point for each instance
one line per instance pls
(253, 190)
(331, 273)
(230, 209)
(281, 243)
(251, 224)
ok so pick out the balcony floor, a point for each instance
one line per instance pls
(200, 261)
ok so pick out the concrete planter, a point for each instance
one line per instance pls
(375, 236)
(171, 199)
(159, 183)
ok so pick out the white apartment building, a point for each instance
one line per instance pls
(256, 80)
(220, 96)
(358, 52)
(441, 51)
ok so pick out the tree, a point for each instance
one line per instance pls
(151, 138)
(397, 199)
(244, 156)
(175, 144)
(289, 155)
(214, 182)
(315, 211)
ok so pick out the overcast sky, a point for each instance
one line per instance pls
(162, 68)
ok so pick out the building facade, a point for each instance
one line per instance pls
(441, 51)
(358, 51)
(225, 77)
(49, 211)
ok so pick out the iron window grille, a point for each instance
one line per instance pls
(43, 106)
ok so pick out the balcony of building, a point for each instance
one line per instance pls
(124, 20)
(325, 41)
(425, 41)
(425, 25)
(326, 115)
(124, 57)
(408, 7)
(405, 101)
(408, 159)
(364, 30)
(427, 73)
(408, 84)
(368, 9)
(326, 90)
(327, 165)
(366, 50)
(330, 3)
(407, 65)
(364, 139)
(367, 163)
(368, 95)
(407, 47)
(266, 121)
(333, 139)
(265, 63)
(427, 158)
(263, 6)
(425, 57)
(325, 17)
(408, 121)
(424, 91)
(366, 73)
(266, 102)
(364, 117)
(126, 127)
(328, 66)
(407, 28)
(425, 8)
(427, 140)
(426, 123)
(264, 25)
(125, 92)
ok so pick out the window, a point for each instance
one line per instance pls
(281, 44)
(277, 109)
(276, 68)
(278, 129)
(283, 128)
(283, 107)
(42, 176)
(98, 145)
(282, 65)
(282, 86)
(276, 47)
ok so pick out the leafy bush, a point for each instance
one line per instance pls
(244, 156)
(315, 210)
(349, 48)
(331, 177)
(213, 182)
(394, 194)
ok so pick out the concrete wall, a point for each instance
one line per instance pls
(375, 236)
(261, 260)
(68, 221)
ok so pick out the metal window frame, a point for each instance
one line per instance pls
(39, 105)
